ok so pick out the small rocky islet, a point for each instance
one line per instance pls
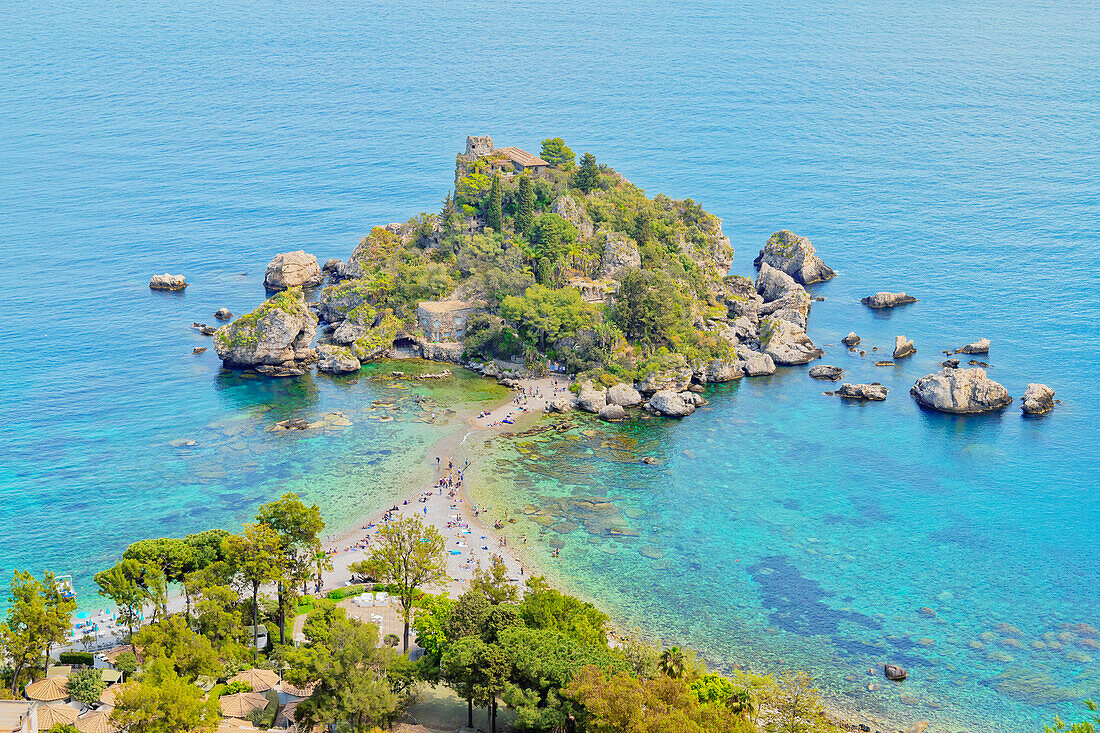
(544, 264)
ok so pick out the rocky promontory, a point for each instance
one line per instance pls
(274, 339)
(960, 391)
(794, 255)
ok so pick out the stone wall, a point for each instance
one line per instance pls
(444, 320)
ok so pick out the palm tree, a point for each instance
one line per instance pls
(322, 564)
(742, 703)
(575, 248)
(672, 662)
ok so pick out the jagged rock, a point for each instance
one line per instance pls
(741, 297)
(624, 395)
(952, 363)
(742, 330)
(850, 340)
(773, 284)
(903, 347)
(824, 371)
(787, 344)
(887, 300)
(292, 270)
(675, 380)
(351, 330)
(981, 346)
(795, 317)
(873, 391)
(448, 352)
(167, 282)
(960, 391)
(223, 314)
(198, 349)
(794, 255)
(612, 413)
(276, 335)
(1038, 398)
(756, 363)
(671, 404)
(332, 267)
(336, 360)
(619, 251)
(207, 330)
(561, 405)
(567, 208)
(280, 370)
(694, 397)
(894, 672)
(591, 398)
(721, 370)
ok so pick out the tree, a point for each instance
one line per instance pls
(192, 655)
(672, 662)
(546, 315)
(256, 554)
(493, 582)
(646, 306)
(124, 585)
(322, 563)
(477, 672)
(643, 227)
(298, 527)
(410, 555)
(546, 608)
(796, 702)
(86, 685)
(449, 215)
(1085, 726)
(174, 557)
(557, 153)
(126, 663)
(494, 214)
(587, 176)
(163, 702)
(38, 617)
(525, 205)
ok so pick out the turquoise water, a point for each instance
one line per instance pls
(945, 149)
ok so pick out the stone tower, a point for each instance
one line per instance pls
(477, 146)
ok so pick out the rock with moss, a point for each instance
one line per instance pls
(333, 359)
(340, 299)
(293, 270)
(786, 343)
(721, 370)
(619, 253)
(676, 379)
(591, 397)
(359, 321)
(274, 338)
(378, 340)
(794, 255)
(740, 296)
(960, 391)
(623, 395)
(567, 208)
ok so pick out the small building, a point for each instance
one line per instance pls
(445, 320)
(481, 146)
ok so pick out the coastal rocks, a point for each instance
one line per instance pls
(351, 329)
(223, 314)
(272, 339)
(561, 406)
(336, 360)
(448, 352)
(612, 413)
(623, 395)
(292, 270)
(981, 346)
(671, 404)
(332, 268)
(850, 340)
(676, 380)
(619, 252)
(895, 673)
(567, 208)
(1038, 398)
(794, 255)
(773, 284)
(294, 423)
(824, 371)
(874, 392)
(960, 391)
(591, 398)
(903, 347)
(741, 297)
(198, 349)
(952, 363)
(887, 300)
(756, 364)
(786, 343)
(167, 282)
(721, 370)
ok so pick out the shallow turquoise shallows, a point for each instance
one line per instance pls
(948, 149)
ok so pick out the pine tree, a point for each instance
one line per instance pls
(493, 212)
(525, 206)
(587, 177)
(449, 215)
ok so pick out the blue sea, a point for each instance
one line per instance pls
(948, 149)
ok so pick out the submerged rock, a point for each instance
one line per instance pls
(874, 392)
(275, 336)
(960, 391)
(850, 340)
(903, 347)
(1038, 398)
(894, 672)
(167, 282)
(981, 346)
(336, 360)
(887, 300)
(794, 255)
(671, 404)
(824, 371)
(292, 270)
(624, 395)
(786, 343)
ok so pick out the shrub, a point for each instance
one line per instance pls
(85, 658)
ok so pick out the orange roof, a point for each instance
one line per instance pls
(521, 156)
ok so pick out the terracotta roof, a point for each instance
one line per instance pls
(521, 156)
(94, 722)
(109, 696)
(261, 680)
(285, 718)
(51, 715)
(445, 306)
(294, 691)
(49, 689)
(240, 704)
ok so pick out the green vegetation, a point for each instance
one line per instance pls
(86, 685)
(1091, 724)
(557, 153)
(247, 329)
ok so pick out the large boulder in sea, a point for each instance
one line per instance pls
(825, 371)
(567, 208)
(755, 363)
(619, 252)
(721, 370)
(671, 404)
(612, 413)
(293, 270)
(794, 255)
(333, 359)
(960, 391)
(274, 338)
(167, 282)
(1038, 398)
(903, 347)
(787, 344)
(874, 391)
(624, 395)
(981, 346)
(887, 300)
(852, 339)
(591, 398)
(895, 672)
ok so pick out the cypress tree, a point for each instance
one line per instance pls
(525, 206)
(587, 176)
(493, 212)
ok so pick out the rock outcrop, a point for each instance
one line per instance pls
(332, 268)
(612, 413)
(676, 380)
(561, 405)
(567, 208)
(850, 340)
(223, 314)
(874, 391)
(981, 346)
(787, 344)
(293, 270)
(591, 398)
(960, 391)
(333, 359)
(794, 255)
(619, 252)
(1038, 398)
(720, 370)
(887, 300)
(894, 672)
(671, 404)
(824, 371)
(756, 364)
(624, 395)
(272, 339)
(903, 347)
(167, 282)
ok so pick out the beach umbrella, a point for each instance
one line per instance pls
(51, 715)
(49, 689)
(241, 704)
(95, 721)
(261, 680)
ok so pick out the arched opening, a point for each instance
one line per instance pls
(405, 348)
